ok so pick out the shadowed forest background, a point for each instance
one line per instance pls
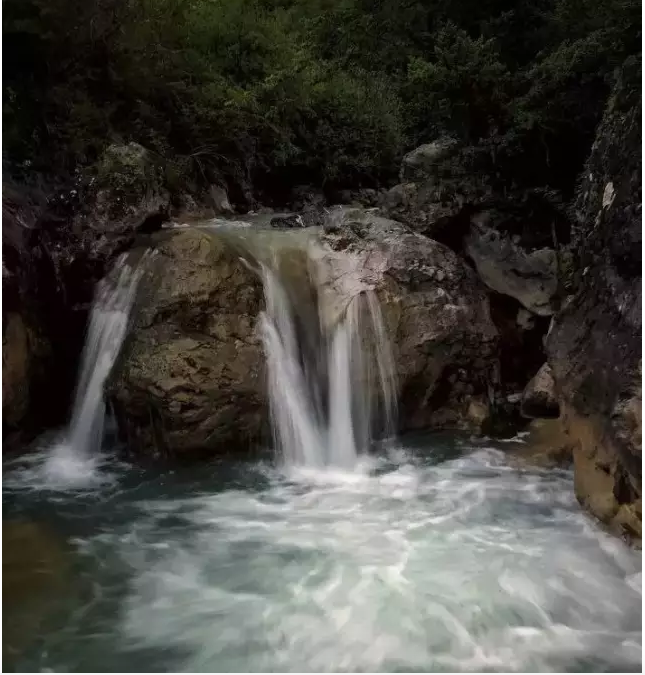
(264, 94)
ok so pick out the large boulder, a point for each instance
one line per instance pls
(436, 191)
(85, 226)
(505, 267)
(594, 345)
(190, 379)
(436, 314)
(126, 195)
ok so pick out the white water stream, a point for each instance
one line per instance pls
(332, 387)
(72, 460)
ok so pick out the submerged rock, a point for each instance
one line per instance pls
(35, 579)
(594, 345)
(294, 220)
(546, 443)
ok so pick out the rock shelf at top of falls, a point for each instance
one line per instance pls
(192, 377)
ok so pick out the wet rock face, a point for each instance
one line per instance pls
(594, 346)
(436, 315)
(29, 311)
(190, 379)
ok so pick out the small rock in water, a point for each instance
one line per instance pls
(287, 221)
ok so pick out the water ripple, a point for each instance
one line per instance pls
(462, 565)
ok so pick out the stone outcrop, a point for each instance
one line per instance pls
(594, 345)
(219, 201)
(440, 189)
(505, 267)
(420, 162)
(190, 379)
(539, 400)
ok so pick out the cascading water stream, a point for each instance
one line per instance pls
(73, 456)
(325, 400)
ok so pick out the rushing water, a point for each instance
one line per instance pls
(442, 556)
(72, 458)
(326, 383)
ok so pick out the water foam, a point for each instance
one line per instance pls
(465, 566)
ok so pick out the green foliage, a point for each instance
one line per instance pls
(463, 89)
(276, 92)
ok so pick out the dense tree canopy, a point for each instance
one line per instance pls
(320, 91)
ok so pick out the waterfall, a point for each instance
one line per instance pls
(73, 455)
(331, 385)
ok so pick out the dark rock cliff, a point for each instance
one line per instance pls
(594, 345)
